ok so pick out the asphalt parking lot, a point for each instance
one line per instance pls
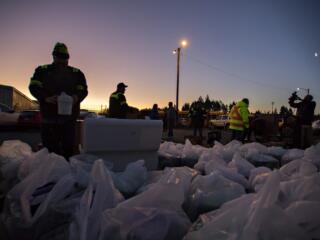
(33, 137)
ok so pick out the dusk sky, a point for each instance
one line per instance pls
(259, 49)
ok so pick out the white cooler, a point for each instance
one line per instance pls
(122, 141)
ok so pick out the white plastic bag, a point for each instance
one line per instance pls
(143, 223)
(207, 157)
(231, 174)
(226, 223)
(259, 180)
(292, 154)
(63, 187)
(155, 213)
(168, 193)
(251, 217)
(13, 150)
(306, 188)
(214, 163)
(51, 170)
(133, 177)
(181, 176)
(277, 152)
(254, 146)
(55, 222)
(307, 215)
(36, 214)
(272, 223)
(210, 192)
(261, 158)
(86, 161)
(192, 151)
(226, 151)
(242, 165)
(12, 155)
(152, 178)
(312, 154)
(170, 149)
(31, 163)
(296, 169)
(100, 195)
(256, 172)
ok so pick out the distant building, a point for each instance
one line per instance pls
(15, 99)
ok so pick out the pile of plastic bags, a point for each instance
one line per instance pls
(232, 192)
(239, 197)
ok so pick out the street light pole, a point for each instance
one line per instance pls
(177, 51)
(178, 76)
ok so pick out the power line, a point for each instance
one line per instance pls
(236, 76)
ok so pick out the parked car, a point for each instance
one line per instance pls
(8, 117)
(316, 124)
(221, 121)
(87, 114)
(30, 119)
(185, 122)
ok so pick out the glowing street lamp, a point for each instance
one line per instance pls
(177, 51)
(184, 43)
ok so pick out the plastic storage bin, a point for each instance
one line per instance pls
(123, 140)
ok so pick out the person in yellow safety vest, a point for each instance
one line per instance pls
(239, 119)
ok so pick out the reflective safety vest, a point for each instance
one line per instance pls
(237, 120)
(48, 80)
(118, 106)
(118, 97)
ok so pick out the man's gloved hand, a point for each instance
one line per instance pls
(53, 99)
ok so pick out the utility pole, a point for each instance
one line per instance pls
(178, 75)
(177, 51)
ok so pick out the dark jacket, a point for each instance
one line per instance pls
(49, 80)
(305, 111)
(171, 116)
(197, 116)
(154, 114)
(118, 106)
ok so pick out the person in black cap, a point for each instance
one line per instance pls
(46, 84)
(305, 116)
(118, 107)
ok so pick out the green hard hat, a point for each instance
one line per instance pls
(60, 50)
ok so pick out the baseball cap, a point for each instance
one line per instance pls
(121, 85)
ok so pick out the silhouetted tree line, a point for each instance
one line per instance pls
(284, 111)
(218, 105)
(209, 105)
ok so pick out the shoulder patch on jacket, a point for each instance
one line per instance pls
(44, 66)
(75, 69)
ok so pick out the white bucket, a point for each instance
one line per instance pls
(65, 104)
